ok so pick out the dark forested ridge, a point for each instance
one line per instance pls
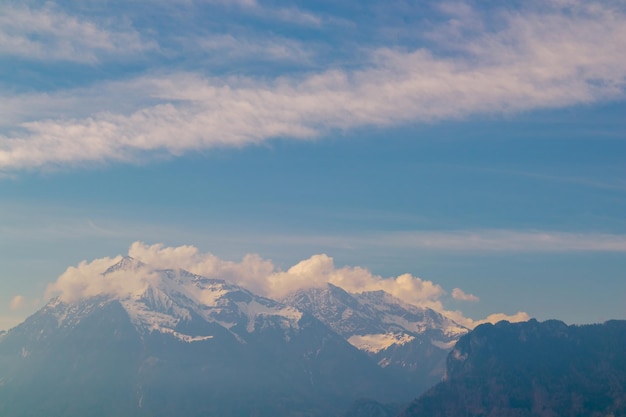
(532, 369)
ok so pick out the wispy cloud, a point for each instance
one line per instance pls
(72, 227)
(50, 34)
(235, 48)
(502, 241)
(553, 58)
(287, 14)
(63, 224)
(617, 185)
(497, 240)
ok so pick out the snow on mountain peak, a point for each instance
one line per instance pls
(374, 343)
(167, 300)
(164, 299)
(378, 323)
(373, 312)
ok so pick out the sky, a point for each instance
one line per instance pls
(467, 156)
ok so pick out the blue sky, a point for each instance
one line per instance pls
(477, 146)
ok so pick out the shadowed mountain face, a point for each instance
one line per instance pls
(186, 345)
(532, 369)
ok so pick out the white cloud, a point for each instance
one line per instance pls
(87, 280)
(459, 294)
(259, 275)
(47, 33)
(540, 59)
(17, 302)
(496, 317)
(492, 318)
(263, 277)
(320, 269)
(251, 272)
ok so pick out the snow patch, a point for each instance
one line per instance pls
(209, 296)
(184, 337)
(143, 317)
(254, 309)
(411, 326)
(374, 343)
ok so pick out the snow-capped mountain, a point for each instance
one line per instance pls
(178, 297)
(177, 343)
(137, 340)
(395, 334)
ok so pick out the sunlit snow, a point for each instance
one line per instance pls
(376, 342)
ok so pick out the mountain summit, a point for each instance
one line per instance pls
(176, 300)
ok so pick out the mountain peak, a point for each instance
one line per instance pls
(178, 303)
(127, 263)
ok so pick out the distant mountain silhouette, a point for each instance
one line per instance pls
(532, 369)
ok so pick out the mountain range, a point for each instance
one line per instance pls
(164, 342)
(184, 344)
